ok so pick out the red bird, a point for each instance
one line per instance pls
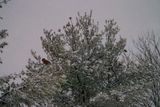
(45, 61)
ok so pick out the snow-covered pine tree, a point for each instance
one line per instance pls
(3, 32)
(3, 35)
(89, 59)
(84, 63)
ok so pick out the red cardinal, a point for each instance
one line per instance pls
(45, 61)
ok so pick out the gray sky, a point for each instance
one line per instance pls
(26, 19)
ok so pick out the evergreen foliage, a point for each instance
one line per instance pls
(86, 67)
(85, 62)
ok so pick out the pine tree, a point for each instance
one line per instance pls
(3, 35)
(83, 67)
(3, 32)
(84, 62)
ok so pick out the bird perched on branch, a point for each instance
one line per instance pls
(45, 61)
(125, 50)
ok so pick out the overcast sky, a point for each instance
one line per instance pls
(26, 19)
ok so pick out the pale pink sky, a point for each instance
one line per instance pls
(25, 20)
